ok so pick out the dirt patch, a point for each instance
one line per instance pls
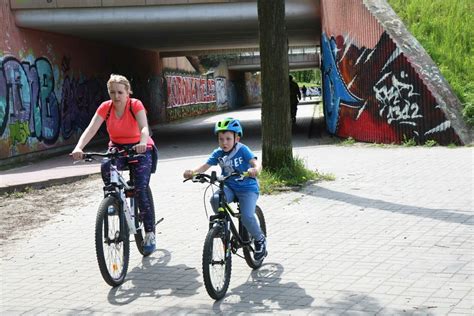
(23, 211)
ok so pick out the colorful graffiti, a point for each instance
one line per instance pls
(184, 90)
(221, 91)
(375, 95)
(27, 96)
(337, 90)
(30, 109)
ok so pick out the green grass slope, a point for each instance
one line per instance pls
(445, 28)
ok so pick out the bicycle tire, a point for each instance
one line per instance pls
(140, 235)
(112, 257)
(248, 253)
(216, 263)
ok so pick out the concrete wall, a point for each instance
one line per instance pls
(177, 63)
(51, 85)
(379, 85)
(35, 4)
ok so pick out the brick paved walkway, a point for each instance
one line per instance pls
(392, 235)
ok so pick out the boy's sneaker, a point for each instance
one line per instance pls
(149, 243)
(260, 249)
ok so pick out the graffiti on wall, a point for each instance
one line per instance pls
(79, 102)
(221, 91)
(28, 100)
(31, 111)
(187, 90)
(375, 95)
(253, 88)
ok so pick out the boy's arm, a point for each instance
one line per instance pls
(255, 169)
(189, 173)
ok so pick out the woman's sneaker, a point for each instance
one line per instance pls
(260, 249)
(149, 243)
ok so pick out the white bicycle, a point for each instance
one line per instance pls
(118, 216)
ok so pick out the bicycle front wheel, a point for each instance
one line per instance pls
(111, 244)
(248, 253)
(140, 235)
(216, 263)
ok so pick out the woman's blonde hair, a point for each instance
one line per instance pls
(119, 79)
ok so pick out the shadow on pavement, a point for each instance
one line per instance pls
(453, 216)
(288, 296)
(154, 278)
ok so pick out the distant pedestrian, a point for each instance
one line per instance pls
(304, 90)
(295, 96)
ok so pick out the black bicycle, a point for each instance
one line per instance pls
(118, 216)
(224, 238)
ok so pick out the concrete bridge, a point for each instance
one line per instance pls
(298, 58)
(379, 84)
(173, 27)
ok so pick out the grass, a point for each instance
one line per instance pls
(18, 194)
(308, 84)
(290, 177)
(445, 29)
(348, 142)
(431, 143)
(408, 142)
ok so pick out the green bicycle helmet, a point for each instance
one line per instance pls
(229, 124)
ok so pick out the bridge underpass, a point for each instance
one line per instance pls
(380, 84)
(177, 28)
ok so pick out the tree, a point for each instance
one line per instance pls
(277, 151)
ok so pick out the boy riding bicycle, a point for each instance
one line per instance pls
(233, 156)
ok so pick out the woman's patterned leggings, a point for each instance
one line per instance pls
(141, 178)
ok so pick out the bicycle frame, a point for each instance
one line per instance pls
(120, 188)
(225, 214)
(224, 238)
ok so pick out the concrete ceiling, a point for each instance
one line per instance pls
(176, 30)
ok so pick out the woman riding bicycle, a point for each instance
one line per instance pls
(233, 156)
(127, 125)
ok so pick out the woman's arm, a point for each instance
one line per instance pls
(144, 134)
(87, 135)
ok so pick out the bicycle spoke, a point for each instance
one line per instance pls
(216, 266)
(112, 248)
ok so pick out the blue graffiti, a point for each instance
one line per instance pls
(50, 117)
(4, 109)
(28, 100)
(335, 90)
(27, 95)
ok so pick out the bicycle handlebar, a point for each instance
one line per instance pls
(113, 152)
(204, 177)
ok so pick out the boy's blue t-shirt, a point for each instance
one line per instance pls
(237, 160)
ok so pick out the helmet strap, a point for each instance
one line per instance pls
(235, 143)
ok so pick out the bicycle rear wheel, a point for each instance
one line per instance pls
(216, 264)
(140, 235)
(112, 246)
(248, 253)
